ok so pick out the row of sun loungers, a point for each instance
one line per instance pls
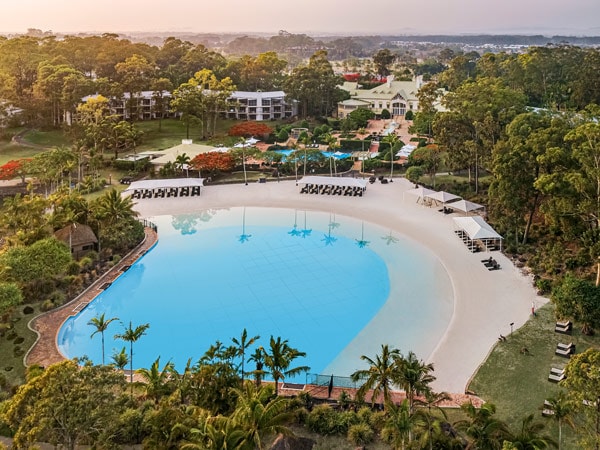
(352, 191)
(564, 327)
(565, 350)
(184, 191)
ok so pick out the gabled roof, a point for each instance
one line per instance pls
(190, 149)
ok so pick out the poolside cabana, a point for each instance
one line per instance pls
(420, 192)
(172, 187)
(465, 206)
(478, 229)
(354, 187)
(442, 197)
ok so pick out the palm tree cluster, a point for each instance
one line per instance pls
(417, 421)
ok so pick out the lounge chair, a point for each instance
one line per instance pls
(568, 346)
(563, 327)
(564, 352)
(556, 378)
(547, 409)
(557, 371)
(494, 266)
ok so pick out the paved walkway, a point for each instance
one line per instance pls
(45, 351)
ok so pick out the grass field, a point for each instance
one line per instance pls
(517, 383)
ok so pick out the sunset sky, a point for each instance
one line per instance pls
(575, 17)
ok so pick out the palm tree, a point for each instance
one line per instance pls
(484, 431)
(120, 359)
(529, 436)
(259, 414)
(414, 377)
(562, 413)
(399, 424)
(182, 161)
(278, 360)
(259, 359)
(113, 208)
(431, 401)
(243, 343)
(393, 140)
(380, 375)
(158, 382)
(132, 335)
(101, 325)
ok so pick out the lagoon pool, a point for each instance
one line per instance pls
(333, 286)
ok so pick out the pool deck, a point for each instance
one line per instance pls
(485, 302)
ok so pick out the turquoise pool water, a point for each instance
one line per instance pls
(333, 286)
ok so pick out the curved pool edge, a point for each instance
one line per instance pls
(45, 350)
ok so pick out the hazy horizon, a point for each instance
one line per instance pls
(313, 17)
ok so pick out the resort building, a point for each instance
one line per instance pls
(397, 97)
(241, 105)
(260, 106)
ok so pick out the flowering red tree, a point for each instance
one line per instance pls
(12, 169)
(248, 129)
(213, 162)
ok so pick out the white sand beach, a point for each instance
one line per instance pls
(485, 302)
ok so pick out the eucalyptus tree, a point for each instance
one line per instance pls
(583, 385)
(101, 324)
(69, 405)
(485, 106)
(279, 357)
(314, 86)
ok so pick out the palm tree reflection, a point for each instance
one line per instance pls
(361, 242)
(328, 238)
(389, 239)
(305, 232)
(244, 237)
(294, 231)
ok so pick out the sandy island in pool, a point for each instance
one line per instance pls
(485, 302)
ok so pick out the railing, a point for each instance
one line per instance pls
(149, 224)
(331, 380)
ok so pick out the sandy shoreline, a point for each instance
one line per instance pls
(485, 302)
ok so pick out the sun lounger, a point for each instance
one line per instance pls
(556, 378)
(557, 371)
(568, 346)
(564, 352)
(563, 327)
(494, 266)
(547, 409)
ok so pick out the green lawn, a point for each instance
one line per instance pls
(9, 151)
(51, 138)
(12, 349)
(517, 383)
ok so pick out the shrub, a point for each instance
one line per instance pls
(28, 310)
(360, 434)
(385, 114)
(322, 420)
(409, 115)
(47, 305)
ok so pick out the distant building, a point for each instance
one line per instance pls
(241, 105)
(397, 97)
(260, 106)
